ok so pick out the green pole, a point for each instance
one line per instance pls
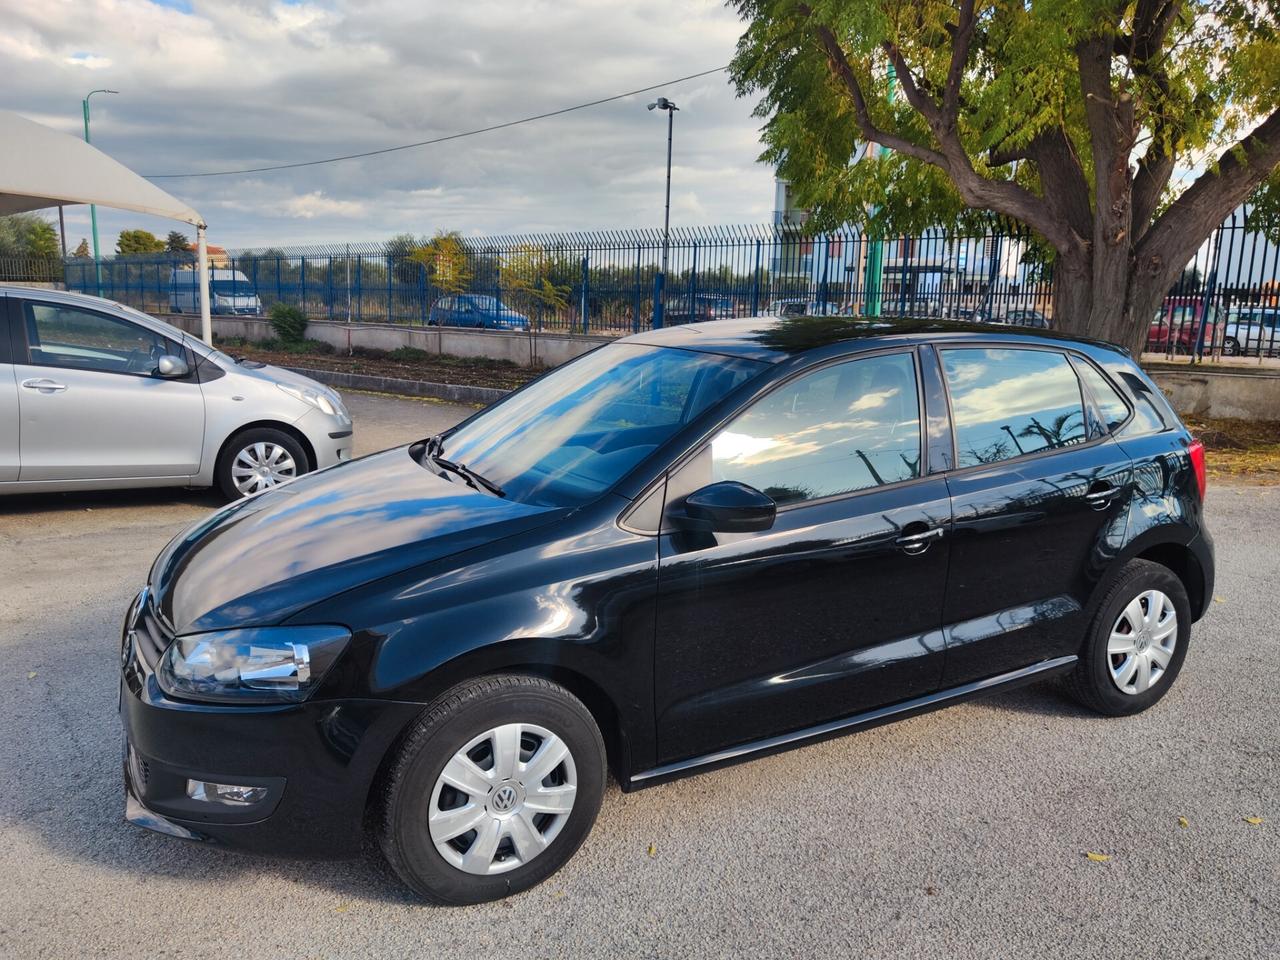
(873, 277)
(93, 210)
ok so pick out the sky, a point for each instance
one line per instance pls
(207, 86)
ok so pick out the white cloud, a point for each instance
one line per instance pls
(316, 204)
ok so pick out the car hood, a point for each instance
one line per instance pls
(265, 558)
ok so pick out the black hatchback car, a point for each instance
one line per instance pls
(684, 549)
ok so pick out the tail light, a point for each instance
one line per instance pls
(1196, 450)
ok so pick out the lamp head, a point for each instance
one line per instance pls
(662, 103)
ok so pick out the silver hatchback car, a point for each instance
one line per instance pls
(95, 395)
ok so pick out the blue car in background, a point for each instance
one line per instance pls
(474, 310)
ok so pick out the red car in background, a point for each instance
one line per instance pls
(1177, 325)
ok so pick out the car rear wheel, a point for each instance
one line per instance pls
(1231, 347)
(1136, 642)
(258, 459)
(492, 791)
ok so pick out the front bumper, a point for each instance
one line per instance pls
(318, 760)
(331, 438)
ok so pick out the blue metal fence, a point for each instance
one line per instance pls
(603, 282)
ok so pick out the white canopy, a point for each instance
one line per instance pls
(40, 167)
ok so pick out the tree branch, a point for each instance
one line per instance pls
(1240, 169)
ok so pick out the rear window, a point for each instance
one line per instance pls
(1008, 402)
(1111, 406)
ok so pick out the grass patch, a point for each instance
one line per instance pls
(1247, 450)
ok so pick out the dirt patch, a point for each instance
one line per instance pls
(406, 363)
(1240, 449)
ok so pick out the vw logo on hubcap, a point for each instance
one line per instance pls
(504, 799)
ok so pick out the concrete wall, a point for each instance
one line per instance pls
(526, 349)
(1230, 392)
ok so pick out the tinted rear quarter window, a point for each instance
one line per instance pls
(1111, 406)
(1008, 402)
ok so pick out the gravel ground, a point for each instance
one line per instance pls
(959, 834)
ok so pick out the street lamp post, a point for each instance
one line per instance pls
(660, 281)
(93, 210)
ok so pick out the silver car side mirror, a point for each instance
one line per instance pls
(171, 366)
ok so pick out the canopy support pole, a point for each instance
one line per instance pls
(202, 265)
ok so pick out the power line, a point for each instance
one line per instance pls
(427, 143)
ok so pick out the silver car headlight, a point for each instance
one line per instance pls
(254, 664)
(315, 398)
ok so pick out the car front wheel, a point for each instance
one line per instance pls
(492, 791)
(1231, 347)
(1136, 642)
(258, 459)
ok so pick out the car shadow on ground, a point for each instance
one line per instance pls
(36, 503)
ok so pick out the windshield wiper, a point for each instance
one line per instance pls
(474, 480)
(469, 475)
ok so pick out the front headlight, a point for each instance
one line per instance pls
(256, 664)
(321, 401)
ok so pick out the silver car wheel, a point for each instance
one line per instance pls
(261, 465)
(502, 799)
(1142, 641)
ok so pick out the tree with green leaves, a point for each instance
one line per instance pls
(448, 266)
(42, 242)
(1067, 116)
(178, 243)
(527, 275)
(133, 243)
(28, 235)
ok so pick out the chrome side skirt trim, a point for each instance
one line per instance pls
(869, 718)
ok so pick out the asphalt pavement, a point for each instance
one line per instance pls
(963, 833)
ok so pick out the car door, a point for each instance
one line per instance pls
(838, 607)
(90, 401)
(1038, 500)
(8, 400)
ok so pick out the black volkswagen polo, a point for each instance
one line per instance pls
(684, 549)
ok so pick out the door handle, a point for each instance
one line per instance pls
(1101, 498)
(44, 385)
(917, 543)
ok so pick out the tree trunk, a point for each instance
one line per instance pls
(1072, 294)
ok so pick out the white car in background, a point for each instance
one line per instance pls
(95, 395)
(1252, 330)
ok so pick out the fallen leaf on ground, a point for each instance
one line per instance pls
(931, 891)
(1219, 600)
(653, 850)
(340, 908)
(1098, 857)
(1183, 822)
(1253, 820)
(31, 675)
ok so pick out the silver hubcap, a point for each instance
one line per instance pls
(1142, 641)
(502, 799)
(262, 465)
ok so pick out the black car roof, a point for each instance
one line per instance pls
(774, 339)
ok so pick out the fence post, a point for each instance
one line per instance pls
(826, 273)
(755, 284)
(693, 281)
(329, 292)
(586, 281)
(279, 293)
(359, 289)
(1211, 282)
(635, 314)
(422, 293)
(302, 279)
(389, 269)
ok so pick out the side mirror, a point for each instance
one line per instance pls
(170, 366)
(729, 507)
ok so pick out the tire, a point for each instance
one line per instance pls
(1097, 679)
(466, 721)
(1231, 347)
(244, 447)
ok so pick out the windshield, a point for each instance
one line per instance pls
(577, 431)
(232, 288)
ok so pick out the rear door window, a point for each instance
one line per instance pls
(1009, 402)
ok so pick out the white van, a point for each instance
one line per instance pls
(229, 292)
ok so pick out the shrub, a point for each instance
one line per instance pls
(289, 323)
